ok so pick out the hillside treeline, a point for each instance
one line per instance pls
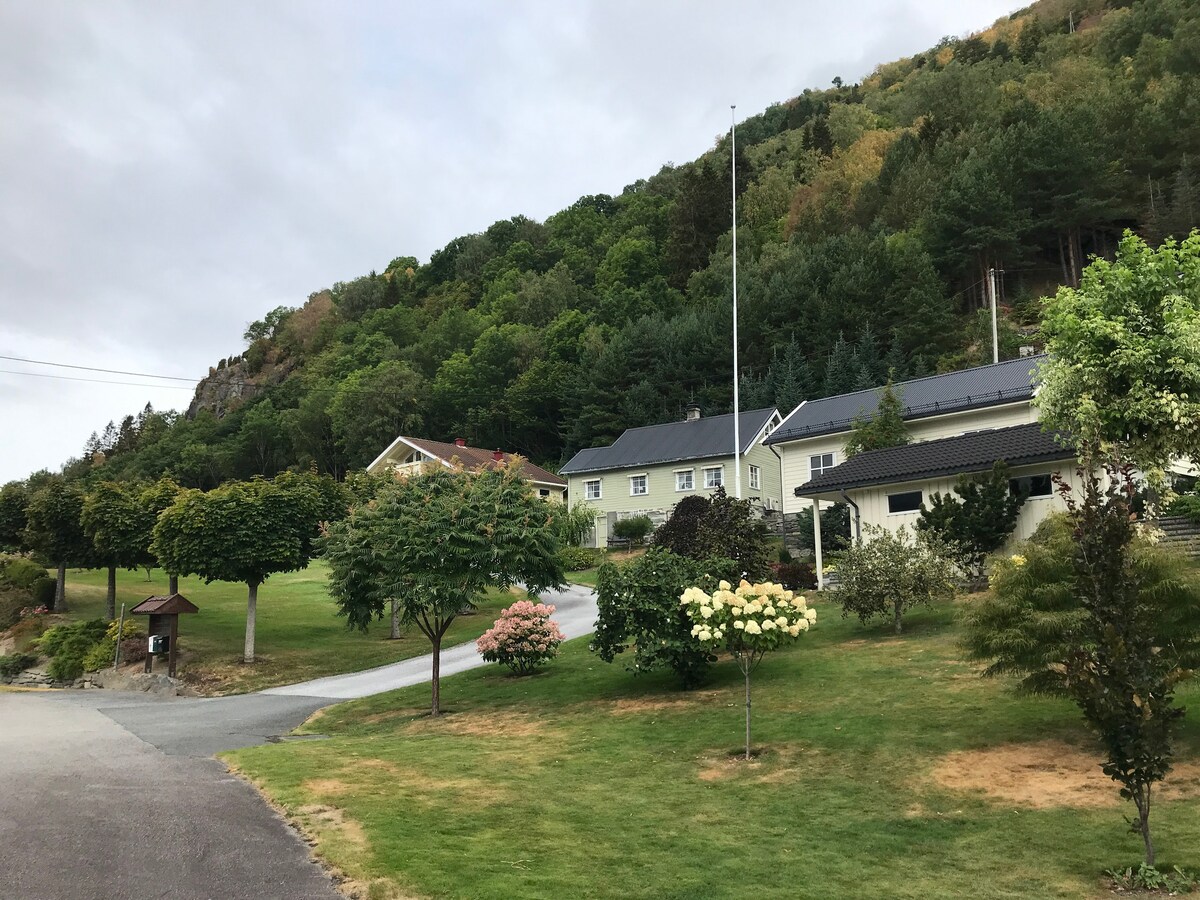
(869, 217)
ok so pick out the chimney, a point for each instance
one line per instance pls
(497, 456)
(460, 442)
(693, 413)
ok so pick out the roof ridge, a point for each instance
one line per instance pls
(949, 437)
(728, 415)
(898, 384)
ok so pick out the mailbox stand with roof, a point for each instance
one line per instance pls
(163, 629)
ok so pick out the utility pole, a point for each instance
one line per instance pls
(737, 434)
(995, 328)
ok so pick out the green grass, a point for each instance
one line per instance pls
(586, 781)
(584, 576)
(298, 635)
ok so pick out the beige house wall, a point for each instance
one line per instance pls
(661, 495)
(797, 454)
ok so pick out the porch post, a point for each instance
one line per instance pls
(816, 507)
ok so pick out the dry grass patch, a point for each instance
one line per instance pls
(498, 723)
(632, 706)
(1048, 774)
(777, 764)
(319, 817)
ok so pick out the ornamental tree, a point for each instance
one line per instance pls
(1092, 610)
(154, 499)
(1123, 372)
(523, 638)
(889, 573)
(975, 524)
(53, 530)
(748, 621)
(722, 527)
(242, 531)
(434, 542)
(121, 529)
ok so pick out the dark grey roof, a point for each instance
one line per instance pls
(673, 442)
(1005, 382)
(1020, 445)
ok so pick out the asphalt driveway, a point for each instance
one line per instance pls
(107, 795)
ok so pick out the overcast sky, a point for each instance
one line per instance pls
(171, 171)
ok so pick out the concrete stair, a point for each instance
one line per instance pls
(1180, 533)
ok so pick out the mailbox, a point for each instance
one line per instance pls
(163, 627)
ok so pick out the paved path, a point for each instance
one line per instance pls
(575, 613)
(105, 794)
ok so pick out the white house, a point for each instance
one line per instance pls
(959, 423)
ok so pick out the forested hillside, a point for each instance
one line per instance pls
(869, 215)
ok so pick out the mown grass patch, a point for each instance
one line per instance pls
(584, 780)
(299, 635)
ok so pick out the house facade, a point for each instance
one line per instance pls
(958, 423)
(646, 471)
(407, 455)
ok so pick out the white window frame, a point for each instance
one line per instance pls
(691, 477)
(755, 478)
(821, 468)
(720, 470)
(906, 512)
(587, 489)
(645, 485)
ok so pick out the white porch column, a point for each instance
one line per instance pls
(816, 508)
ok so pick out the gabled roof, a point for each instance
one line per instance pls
(174, 604)
(1006, 382)
(1020, 445)
(701, 438)
(472, 458)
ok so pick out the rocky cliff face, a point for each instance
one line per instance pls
(224, 389)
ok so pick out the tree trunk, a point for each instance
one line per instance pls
(747, 672)
(395, 635)
(60, 589)
(1141, 799)
(1062, 258)
(110, 599)
(896, 617)
(251, 611)
(172, 584)
(1072, 243)
(435, 708)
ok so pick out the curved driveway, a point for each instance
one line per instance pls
(105, 794)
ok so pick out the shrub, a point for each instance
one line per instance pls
(891, 573)
(795, 576)
(134, 650)
(101, 655)
(635, 529)
(1185, 505)
(523, 638)
(67, 666)
(12, 601)
(15, 663)
(576, 559)
(701, 529)
(43, 592)
(639, 608)
(20, 572)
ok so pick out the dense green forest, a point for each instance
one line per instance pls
(869, 215)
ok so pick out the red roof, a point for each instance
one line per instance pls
(176, 603)
(473, 459)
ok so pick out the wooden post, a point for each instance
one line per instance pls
(816, 508)
(172, 650)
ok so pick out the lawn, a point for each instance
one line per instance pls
(588, 576)
(298, 635)
(588, 781)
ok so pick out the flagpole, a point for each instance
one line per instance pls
(737, 436)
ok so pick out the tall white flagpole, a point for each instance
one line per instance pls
(737, 435)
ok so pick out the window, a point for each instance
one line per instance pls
(714, 477)
(819, 463)
(637, 486)
(683, 480)
(1032, 486)
(755, 478)
(909, 501)
(543, 492)
(591, 489)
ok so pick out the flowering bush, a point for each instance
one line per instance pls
(523, 638)
(747, 621)
(30, 611)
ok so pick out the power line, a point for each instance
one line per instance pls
(42, 362)
(141, 384)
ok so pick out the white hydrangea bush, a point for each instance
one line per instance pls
(748, 621)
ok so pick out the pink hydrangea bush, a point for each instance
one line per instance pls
(523, 638)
